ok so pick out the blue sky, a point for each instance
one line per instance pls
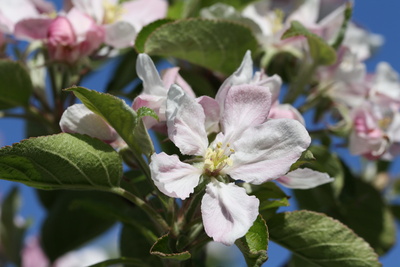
(380, 17)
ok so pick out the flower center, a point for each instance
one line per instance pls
(112, 12)
(217, 158)
(277, 21)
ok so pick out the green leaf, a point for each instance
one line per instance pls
(396, 211)
(145, 111)
(11, 233)
(327, 162)
(365, 211)
(122, 260)
(359, 205)
(217, 45)
(320, 240)
(271, 198)
(69, 224)
(62, 161)
(254, 244)
(238, 4)
(306, 156)
(124, 73)
(163, 250)
(342, 32)
(146, 31)
(121, 117)
(15, 85)
(321, 52)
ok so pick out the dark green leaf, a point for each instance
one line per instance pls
(69, 224)
(146, 31)
(15, 85)
(124, 73)
(217, 45)
(120, 116)
(122, 260)
(62, 161)
(342, 32)
(320, 240)
(254, 244)
(11, 234)
(163, 250)
(321, 52)
(396, 211)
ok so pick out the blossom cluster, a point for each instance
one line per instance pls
(82, 28)
(257, 139)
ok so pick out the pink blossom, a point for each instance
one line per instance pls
(13, 11)
(155, 90)
(68, 37)
(250, 148)
(122, 21)
(79, 119)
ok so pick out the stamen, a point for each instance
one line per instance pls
(217, 158)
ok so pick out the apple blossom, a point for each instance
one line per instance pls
(155, 90)
(79, 119)
(122, 21)
(69, 37)
(250, 148)
(13, 11)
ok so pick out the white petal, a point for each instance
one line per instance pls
(212, 112)
(120, 34)
(267, 151)
(242, 75)
(79, 119)
(228, 212)
(186, 122)
(147, 72)
(245, 106)
(93, 8)
(304, 179)
(173, 177)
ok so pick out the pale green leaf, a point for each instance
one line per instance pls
(321, 240)
(254, 244)
(217, 45)
(62, 161)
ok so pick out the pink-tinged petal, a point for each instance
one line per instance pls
(285, 111)
(33, 29)
(93, 8)
(153, 102)
(212, 111)
(304, 179)
(173, 177)
(170, 76)
(13, 11)
(120, 34)
(141, 12)
(330, 24)
(267, 151)
(33, 254)
(245, 106)
(242, 75)
(307, 13)
(79, 119)
(185, 121)
(273, 83)
(81, 23)
(228, 212)
(147, 72)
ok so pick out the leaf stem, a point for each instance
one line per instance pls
(153, 214)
